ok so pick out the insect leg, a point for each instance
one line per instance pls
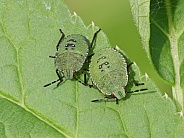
(59, 76)
(51, 83)
(137, 83)
(89, 56)
(84, 83)
(95, 35)
(62, 37)
(128, 66)
(144, 89)
(88, 59)
(52, 56)
(85, 80)
(59, 79)
(107, 99)
(132, 80)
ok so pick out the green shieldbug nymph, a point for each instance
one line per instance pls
(71, 53)
(108, 71)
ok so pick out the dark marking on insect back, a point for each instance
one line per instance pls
(69, 45)
(71, 40)
(101, 58)
(105, 63)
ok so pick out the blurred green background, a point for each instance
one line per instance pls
(115, 19)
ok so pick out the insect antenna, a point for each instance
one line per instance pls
(95, 35)
(61, 39)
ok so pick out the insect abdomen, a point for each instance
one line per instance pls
(69, 61)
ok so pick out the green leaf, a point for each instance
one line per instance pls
(160, 25)
(29, 32)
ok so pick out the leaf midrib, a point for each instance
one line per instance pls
(177, 91)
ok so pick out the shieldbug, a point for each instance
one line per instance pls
(71, 53)
(108, 71)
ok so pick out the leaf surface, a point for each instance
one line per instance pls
(29, 32)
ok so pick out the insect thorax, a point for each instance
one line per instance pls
(69, 62)
(75, 43)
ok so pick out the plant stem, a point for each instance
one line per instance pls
(176, 88)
